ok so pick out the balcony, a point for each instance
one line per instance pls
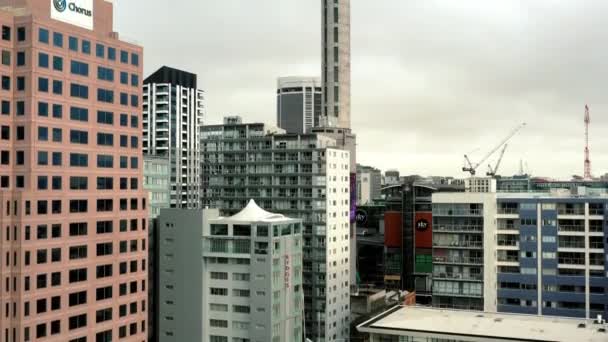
(458, 244)
(458, 260)
(571, 261)
(457, 276)
(571, 209)
(458, 228)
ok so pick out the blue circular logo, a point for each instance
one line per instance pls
(60, 5)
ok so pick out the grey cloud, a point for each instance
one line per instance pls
(431, 79)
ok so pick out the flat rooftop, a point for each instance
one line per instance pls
(481, 326)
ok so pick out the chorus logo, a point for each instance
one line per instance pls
(60, 5)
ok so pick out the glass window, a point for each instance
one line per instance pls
(57, 135)
(105, 74)
(6, 83)
(43, 158)
(6, 57)
(79, 137)
(57, 39)
(6, 107)
(105, 161)
(57, 63)
(57, 157)
(105, 117)
(43, 133)
(77, 90)
(134, 80)
(134, 101)
(135, 59)
(43, 60)
(79, 68)
(105, 95)
(124, 141)
(124, 120)
(20, 108)
(73, 42)
(124, 77)
(43, 84)
(105, 139)
(57, 111)
(57, 87)
(79, 160)
(134, 162)
(6, 32)
(111, 53)
(43, 35)
(124, 99)
(100, 50)
(20, 58)
(86, 47)
(124, 57)
(21, 34)
(79, 114)
(20, 83)
(43, 109)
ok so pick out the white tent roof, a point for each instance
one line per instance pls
(253, 213)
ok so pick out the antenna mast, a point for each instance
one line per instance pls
(587, 158)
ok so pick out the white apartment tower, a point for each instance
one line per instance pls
(336, 62)
(173, 116)
(302, 176)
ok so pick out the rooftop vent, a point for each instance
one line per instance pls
(602, 330)
(479, 316)
(497, 319)
(582, 325)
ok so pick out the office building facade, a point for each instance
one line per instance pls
(71, 179)
(301, 176)
(298, 103)
(173, 116)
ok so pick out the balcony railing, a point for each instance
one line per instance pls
(458, 260)
(457, 228)
(508, 243)
(571, 261)
(459, 276)
(571, 228)
(508, 259)
(572, 244)
(462, 244)
(508, 211)
(571, 211)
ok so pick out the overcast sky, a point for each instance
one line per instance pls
(431, 80)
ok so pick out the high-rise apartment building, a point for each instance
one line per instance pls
(369, 184)
(73, 209)
(298, 103)
(173, 116)
(336, 62)
(538, 253)
(301, 176)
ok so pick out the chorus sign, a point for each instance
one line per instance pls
(75, 12)
(287, 272)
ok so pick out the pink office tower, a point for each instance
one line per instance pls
(72, 208)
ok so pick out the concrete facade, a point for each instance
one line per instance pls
(172, 120)
(369, 184)
(180, 276)
(157, 177)
(298, 103)
(72, 201)
(336, 62)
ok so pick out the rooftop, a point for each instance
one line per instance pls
(253, 213)
(482, 326)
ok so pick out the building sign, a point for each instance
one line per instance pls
(75, 12)
(361, 217)
(423, 224)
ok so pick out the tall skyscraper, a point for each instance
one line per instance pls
(298, 103)
(336, 62)
(173, 116)
(301, 176)
(73, 208)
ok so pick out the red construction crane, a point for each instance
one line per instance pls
(588, 175)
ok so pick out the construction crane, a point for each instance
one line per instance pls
(492, 171)
(472, 168)
(587, 173)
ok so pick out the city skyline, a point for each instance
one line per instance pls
(442, 72)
